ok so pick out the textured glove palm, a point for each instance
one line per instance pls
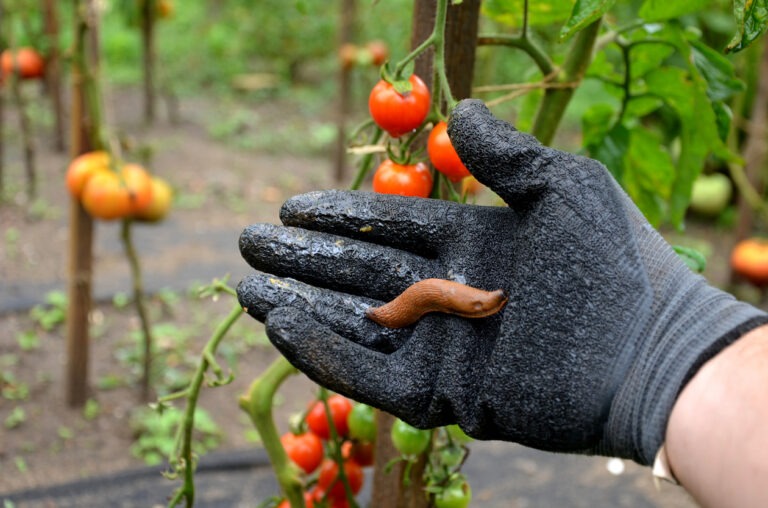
(603, 327)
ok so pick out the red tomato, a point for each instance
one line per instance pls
(403, 179)
(308, 501)
(399, 114)
(305, 450)
(317, 421)
(443, 155)
(362, 452)
(318, 495)
(329, 482)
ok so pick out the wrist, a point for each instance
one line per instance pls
(716, 433)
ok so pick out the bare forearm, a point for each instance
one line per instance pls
(717, 436)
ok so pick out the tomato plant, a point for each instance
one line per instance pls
(398, 113)
(305, 450)
(317, 421)
(27, 61)
(329, 481)
(82, 168)
(443, 155)
(408, 439)
(362, 423)
(404, 179)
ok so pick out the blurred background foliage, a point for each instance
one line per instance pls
(657, 106)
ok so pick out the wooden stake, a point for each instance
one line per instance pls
(53, 71)
(461, 42)
(346, 35)
(148, 46)
(81, 224)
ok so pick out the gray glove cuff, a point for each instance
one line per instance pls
(696, 321)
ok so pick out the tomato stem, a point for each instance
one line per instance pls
(258, 403)
(183, 452)
(138, 298)
(366, 163)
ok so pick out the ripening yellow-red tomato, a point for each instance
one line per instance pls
(112, 195)
(82, 168)
(160, 204)
(749, 259)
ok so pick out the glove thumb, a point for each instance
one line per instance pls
(498, 155)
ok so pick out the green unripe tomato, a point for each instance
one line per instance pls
(408, 439)
(362, 423)
(456, 495)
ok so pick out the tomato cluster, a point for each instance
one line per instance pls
(374, 52)
(313, 449)
(401, 108)
(26, 62)
(109, 193)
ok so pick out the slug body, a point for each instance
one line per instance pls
(437, 295)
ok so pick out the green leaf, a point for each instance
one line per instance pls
(724, 118)
(642, 105)
(649, 174)
(402, 86)
(510, 12)
(584, 13)
(698, 134)
(648, 56)
(655, 10)
(605, 141)
(692, 257)
(751, 21)
(717, 70)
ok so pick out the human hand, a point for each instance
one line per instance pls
(603, 326)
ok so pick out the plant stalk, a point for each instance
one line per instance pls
(187, 491)
(258, 402)
(138, 299)
(556, 100)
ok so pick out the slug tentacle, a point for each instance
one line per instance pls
(437, 295)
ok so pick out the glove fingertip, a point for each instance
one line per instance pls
(495, 152)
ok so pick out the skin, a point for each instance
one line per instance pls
(716, 436)
(437, 295)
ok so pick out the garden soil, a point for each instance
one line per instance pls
(55, 455)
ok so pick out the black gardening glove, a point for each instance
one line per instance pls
(603, 326)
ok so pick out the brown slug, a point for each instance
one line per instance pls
(437, 295)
